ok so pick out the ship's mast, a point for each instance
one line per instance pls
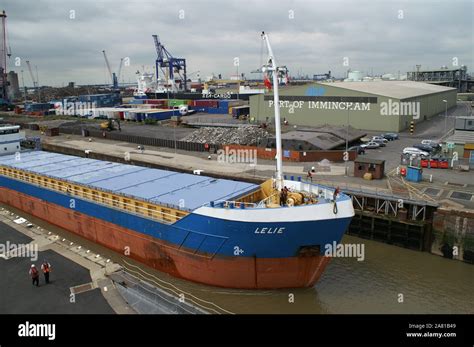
(272, 66)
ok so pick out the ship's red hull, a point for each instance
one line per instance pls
(222, 271)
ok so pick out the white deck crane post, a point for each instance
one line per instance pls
(271, 66)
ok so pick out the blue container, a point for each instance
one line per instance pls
(37, 107)
(414, 174)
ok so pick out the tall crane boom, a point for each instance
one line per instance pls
(108, 65)
(3, 57)
(113, 76)
(34, 80)
(120, 69)
(31, 74)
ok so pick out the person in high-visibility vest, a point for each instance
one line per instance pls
(46, 267)
(34, 275)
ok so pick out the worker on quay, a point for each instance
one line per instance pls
(310, 176)
(46, 267)
(34, 275)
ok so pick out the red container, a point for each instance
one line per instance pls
(424, 163)
(155, 102)
(206, 103)
(443, 165)
(433, 164)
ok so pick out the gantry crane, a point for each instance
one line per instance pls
(169, 65)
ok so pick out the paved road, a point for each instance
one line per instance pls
(430, 129)
(18, 295)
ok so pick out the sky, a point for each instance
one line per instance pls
(64, 39)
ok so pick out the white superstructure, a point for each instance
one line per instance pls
(10, 138)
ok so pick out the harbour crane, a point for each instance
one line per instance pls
(120, 69)
(115, 77)
(3, 58)
(169, 65)
(35, 81)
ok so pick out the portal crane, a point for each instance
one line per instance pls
(169, 65)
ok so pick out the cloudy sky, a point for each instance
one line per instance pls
(65, 38)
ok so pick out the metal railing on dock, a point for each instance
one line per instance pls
(141, 140)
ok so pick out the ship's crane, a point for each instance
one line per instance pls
(169, 65)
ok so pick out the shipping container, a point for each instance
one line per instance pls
(136, 101)
(176, 102)
(206, 103)
(160, 114)
(35, 107)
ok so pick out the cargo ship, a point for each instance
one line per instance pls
(213, 231)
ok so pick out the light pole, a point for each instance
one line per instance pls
(446, 117)
(346, 155)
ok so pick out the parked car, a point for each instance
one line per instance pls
(415, 151)
(379, 139)
(380, 142)
(359, 149)
(390, 136)
(370, 145)
(424, 148)
(432, 143)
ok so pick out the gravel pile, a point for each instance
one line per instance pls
(244, 135)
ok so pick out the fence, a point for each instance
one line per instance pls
(141, 140)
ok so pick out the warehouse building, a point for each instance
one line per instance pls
(373, 105)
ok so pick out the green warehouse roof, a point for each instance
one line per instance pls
(391, 89)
